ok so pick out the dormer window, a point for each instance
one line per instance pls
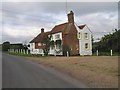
(49, 36)
(39, 44)
(86, 35)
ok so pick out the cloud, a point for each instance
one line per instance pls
(25, 19)
(100, 23)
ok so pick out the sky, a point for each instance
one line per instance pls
(22, 21)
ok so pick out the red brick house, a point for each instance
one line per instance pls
(76, 38)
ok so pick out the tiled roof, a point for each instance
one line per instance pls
(40, 37)
(59, 28)
(65, 28)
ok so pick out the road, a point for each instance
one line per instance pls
(19, 72)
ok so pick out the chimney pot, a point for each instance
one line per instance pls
(71, 17)
(42, 30)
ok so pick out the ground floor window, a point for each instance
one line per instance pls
(40, 50)
(52, 47)
(58, 46)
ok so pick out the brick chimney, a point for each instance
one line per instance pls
(71, 17)
(42, 30)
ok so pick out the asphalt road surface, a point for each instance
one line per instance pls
(18, 72)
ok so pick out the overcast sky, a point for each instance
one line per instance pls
(22, 21)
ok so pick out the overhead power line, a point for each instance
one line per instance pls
(66, 7)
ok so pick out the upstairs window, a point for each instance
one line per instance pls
(57, 36)
(51, 37)
(39, 44)
(79, 35)
(86, 35)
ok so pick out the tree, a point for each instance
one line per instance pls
(108, 42)
(25, 46)
(65, 49)
(46, 43)
(5, 46)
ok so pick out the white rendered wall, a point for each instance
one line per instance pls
(53, 51)
(35, 51)
(82, 41)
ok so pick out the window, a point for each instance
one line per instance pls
(39, 44)
(52, 47)
(86, 35)
(86, 45)
(40, 50)
(32, 49)
(44, 44)
(58, 46)
(51, 37)
(57, 36)
(79, 35)
(32, 44)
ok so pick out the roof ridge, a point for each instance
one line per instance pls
(62, 24)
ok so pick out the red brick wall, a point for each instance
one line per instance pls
(71, 40)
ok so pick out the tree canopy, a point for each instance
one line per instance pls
(46, 43)
(5, 46)
(108, 42)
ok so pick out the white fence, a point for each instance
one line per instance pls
(20, 51)
(111, 52)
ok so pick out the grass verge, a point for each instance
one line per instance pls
(94, 71)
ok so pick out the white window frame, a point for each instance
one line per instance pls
(87, 46)
(40, 50)
(57, 36)
(39, 44)
(79, 35)
(51, 37)
(86, 35)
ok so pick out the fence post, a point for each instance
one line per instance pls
(19, 50)
(15, 50)
(43, 54)
(54, 53)
(24, 51)
(67, 54)
(8, 50)
(97, 52)
(27, 51)
(12, 50)
(111, 52)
